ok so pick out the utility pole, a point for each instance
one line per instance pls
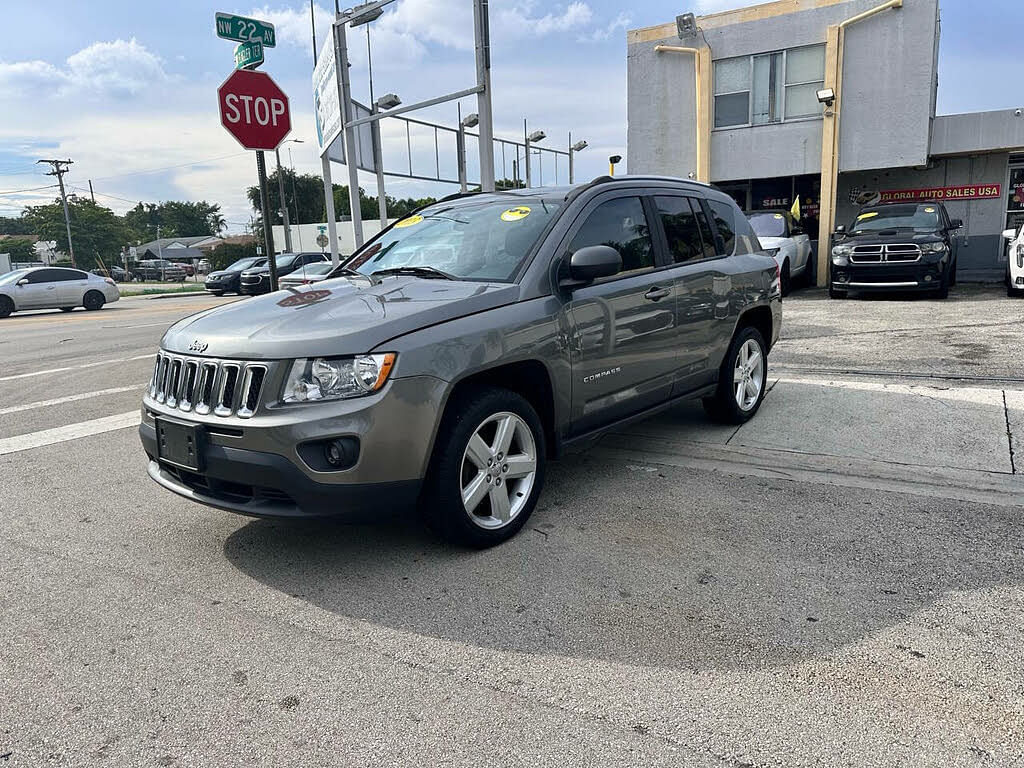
(59, 169)
(284, 206)
(482, 35)
(91, 193)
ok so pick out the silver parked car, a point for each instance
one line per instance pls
(54, 288)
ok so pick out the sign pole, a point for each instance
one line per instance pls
(268, 233)
(345, 99)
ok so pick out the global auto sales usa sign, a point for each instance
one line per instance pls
(953, 194)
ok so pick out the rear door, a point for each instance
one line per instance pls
(701, 296)
(71, 286)
(622, 328)
(40, 292)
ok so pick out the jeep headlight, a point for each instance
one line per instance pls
(933, 247)
(315, 379)
(841, 255)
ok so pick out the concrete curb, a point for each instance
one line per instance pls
(178, 294)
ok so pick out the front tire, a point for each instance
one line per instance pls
(742, 379)
(834, 293)
(785, 280)
(6, 306)
(93, 300)
(488, 468)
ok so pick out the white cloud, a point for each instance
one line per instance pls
(120, 68)
(292, 26)
(620, 22)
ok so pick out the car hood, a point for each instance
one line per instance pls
(257, 271)
(892, 236)
(223, 273)
(334, 317)
(775, 242)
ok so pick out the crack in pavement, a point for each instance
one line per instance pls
(1009, 435)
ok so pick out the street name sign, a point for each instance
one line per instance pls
(249, 55)
(254, 109)
(242, 29)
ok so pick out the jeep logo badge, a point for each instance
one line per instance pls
(198, 346)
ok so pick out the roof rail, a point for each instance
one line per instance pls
(575, 192)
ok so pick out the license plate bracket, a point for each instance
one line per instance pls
(180, 444)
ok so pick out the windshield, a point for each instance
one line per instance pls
(920, 218)
(316, 268)
(768, 224)
(470, 239)
(246, 264)
(13, 277)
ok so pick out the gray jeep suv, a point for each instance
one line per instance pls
(452, 356)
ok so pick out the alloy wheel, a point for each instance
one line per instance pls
(748, 375)
(498, 470)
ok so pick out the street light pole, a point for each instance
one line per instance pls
(284, 207)
(526, 141)
(347, 116)
(295, 197)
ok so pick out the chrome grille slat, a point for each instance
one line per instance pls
(899, 253)
(221, 387)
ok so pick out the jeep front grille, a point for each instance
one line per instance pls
(900, 253)
(222, 387)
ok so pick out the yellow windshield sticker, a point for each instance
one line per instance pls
(869, 215)
(779, 216)
(515, 214)
(929, 210)
(411, 221)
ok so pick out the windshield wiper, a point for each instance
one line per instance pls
(426, 272)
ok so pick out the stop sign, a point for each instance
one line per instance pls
(254, 109)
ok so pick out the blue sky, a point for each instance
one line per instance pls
(127, 89)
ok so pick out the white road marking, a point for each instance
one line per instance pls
(68, 432)
(68, 399)
(76, 367)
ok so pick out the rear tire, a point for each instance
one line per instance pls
(6, 306)
(217, 293)
(93, 300)
(474, 494)
(746, 366)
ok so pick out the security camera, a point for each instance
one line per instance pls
(1018, 112)
(686, 25)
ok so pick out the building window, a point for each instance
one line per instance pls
(769, 87)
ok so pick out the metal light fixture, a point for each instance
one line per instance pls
(686, 25)
(364, 14)
(826, 96)
(388, 101)
(472, 120)
(579, 145)
(612, 162)
(537, 136)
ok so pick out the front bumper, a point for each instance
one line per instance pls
(267, 485)
(263, 464)
(915, 276)
(255, 289)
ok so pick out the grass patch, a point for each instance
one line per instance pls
(154, 290)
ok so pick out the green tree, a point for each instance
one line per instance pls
(96, 231)
(21, 249)
(175, 218)
(503, 184)
(228, 253)
(303, 192)
(15, 225)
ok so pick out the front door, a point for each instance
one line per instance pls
(39, 292)
(624, 346)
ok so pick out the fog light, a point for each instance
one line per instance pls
(927, 278)
(340, 453)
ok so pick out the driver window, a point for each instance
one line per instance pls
(621, 224)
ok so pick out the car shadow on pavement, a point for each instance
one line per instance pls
(655, 566)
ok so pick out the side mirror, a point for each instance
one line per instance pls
(23, 281)
(1009, 234)
(840, 229)
(591, 263)
(955, 223)
(796, 231)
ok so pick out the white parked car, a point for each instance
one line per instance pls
(1015, 262)
(306, 274)
(54, 288)
(784, 238)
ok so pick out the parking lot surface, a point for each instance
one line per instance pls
(837, 582)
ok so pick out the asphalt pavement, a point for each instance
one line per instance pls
(836, 583)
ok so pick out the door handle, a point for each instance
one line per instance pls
(657, 294)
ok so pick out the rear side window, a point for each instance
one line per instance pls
(724, 220)
(687, 231)
(621, 224)
(66, 275)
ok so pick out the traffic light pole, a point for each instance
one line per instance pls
(268, 233)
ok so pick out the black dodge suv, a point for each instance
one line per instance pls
(896, 247)
(256, 280)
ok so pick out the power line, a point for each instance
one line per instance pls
(170, 167)
(28, 189)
